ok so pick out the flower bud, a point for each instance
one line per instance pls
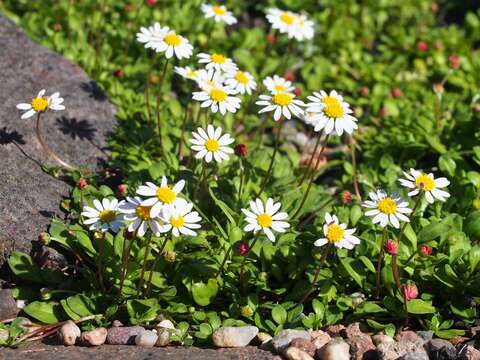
(118, 73)
(346, 197)
(129, 235)
(122, 190)
(241, 150)
(271, 38)
(426, 250)
(151, 3)
(45, 294)
(170, 256)
(364, 91)
(422, 46)
(438, 88)
(44, 238)
(57, 27)
(82, 183)
(242, 248)
(397, 92)
(410, 291)
(357, 298)
(454, 60)
(289, 75)
(297, 91)
(434, 7)
(246, 311)
(383, 112)
(98, 235)
(391, 247)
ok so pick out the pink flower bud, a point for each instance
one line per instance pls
(242, 248)
(289, 75)
(434, 7)
(397, 92)
(82, 183)
(454, 61)
(364, 91)
(118, 73)
(391, 247)
(346, 197)
(297, 91)
(241, 150)
(422, 46)
(410, 291)
(426, 250)
(151, 3)
(271, 38)
(122, 190)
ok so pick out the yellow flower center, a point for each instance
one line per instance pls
(219, 10)
(143, 212)
(107, 216)
(192, 74)
(424, 182)
(279, 88)
(40, 104)
(387, 206)
(333, 107)
(282, 99)
(177, 222)
(218, 59)
(218, 95)
(166, 195)
(335, 233)
(172, 39)
(241, 77)
(287, 18)
(212, 145)
(264, 220)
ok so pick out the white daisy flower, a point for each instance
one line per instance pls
(421, 182)
(180, 219)
(218, 62)
(241, 82)
(337, 234)
(187, 72)
(172, 43)
(139, 216)
(282, 103)
(217, 97)
(387, 209)
(278, 84)
(152, 36)
(103, 215)
(208, 79)
(331, 112)
(303, 28)
(41, 103)
(283, 21)
(219, 13)
(160, 196)
(265, 217)
(211, 144)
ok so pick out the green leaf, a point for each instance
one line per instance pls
(224, 207)
(23, 266)
(346, 263)
(447, 164)
(432, 231)
(203, 293)
(418, 306)
(279, 314)
(472, 225)
(45, 312)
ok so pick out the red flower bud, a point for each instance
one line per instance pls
(364, 91)
(383, 112)
(396, 92)
(410, 291)
(271, 38)
(346, 197)
(241, 150)
(426, 250)
(242, 248)
(118, 73)
(454, 61)
(151, 2)
(82, 183)
(289, 75)
(129, 235)
(391, 247)
(122, 190)
(422, 46)
(434, 7)
(297, 91)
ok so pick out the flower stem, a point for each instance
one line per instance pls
(159, 92)
(317, 274)
(242, 179)
(154, 266)
(144, 265)
(47, 149)
(125, 258)
(223, 262)
(310, 161)
(312, 179)
(379, 264)
(101, 251)
(354, 171)
(242, 267)
(270, 166)
(182, 132)
(200, 180)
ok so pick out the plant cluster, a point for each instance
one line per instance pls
(226, 211)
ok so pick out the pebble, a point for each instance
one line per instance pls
(394, 350)
(474, 331)
(470, 353)
(95, 337)
(381, 338)
(320, 338)
(230, 336)
(458, 340)
(352, 330)
(167, 324)
(362, 347)
(417, 355)
(8, 305)
(116, 323)
(123, 335)
(163, 337)
(4, 334)
(293, 353)
(146, 338)
(304, 345)
(335, 330)
(69, 333)
(263, 338)
(282, 340)
(426, 335)
(408, 336)
(337, 349)
(435, 345)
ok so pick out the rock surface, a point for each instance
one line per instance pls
(293, 353)
(283, 339)
(29, 197)
(123, 335)
(8, 305)
(230, 336)
(95, 337)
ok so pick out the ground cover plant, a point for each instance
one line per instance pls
(282, 164)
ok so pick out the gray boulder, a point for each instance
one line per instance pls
(28, 196)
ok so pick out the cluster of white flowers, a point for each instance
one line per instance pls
(161, 210)
(166, 40)
(295, 26)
